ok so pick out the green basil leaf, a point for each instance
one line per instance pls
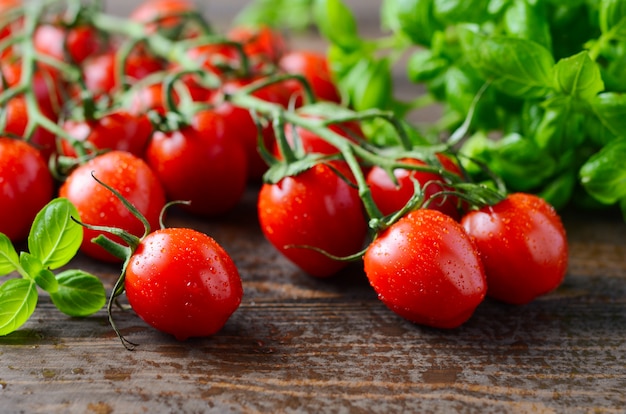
(611, 14)
(54, 237)
(604, 174)
(517, 67)
(413, 18)
(561, 127)
(336, 23)
(368, 84)
(79, 294)
(424, 65)
(8, 255)
(578, 76)
(44, 278)
(610, 110)
(18, 299)
(528, 20)
(451, 12)
(558, 192)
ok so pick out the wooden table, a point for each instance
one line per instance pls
(299, 344)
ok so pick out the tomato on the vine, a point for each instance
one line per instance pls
(261, 43)
(426, 269)
(129, 175)
(16, 123)
(77, 42)
(118, 130)
(182, 282)
(313, 66)
(26, 185)
(523, 245)
(202, 163)
(315, 209)
(390, 198)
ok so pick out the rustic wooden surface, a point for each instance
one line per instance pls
(299, 344)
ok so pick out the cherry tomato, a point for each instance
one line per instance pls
(426, 269)
(126, 173)
(17, 121)
(261, 44)
(79, 42)
(46, 84)
(391, 198)
(313, 66)
(315, 208)
(243, 127)
(99, 71)
(182, 282)
(115, 131)
(26, 186)
(201, 163)
(523, 245)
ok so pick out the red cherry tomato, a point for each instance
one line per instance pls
(17, 121)
(99, 71)
(242, 125)
(315, 208)
(313, 66)
(201, 163)
(261, 43)
(523, 246)
(391, 198)
(126, 173)
(115, 131)
(26, 186)
(79, 42)
(182, 282)
(426, 269)
(46, 84)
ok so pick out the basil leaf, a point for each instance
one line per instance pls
(604, 173)
(610, 110)
(528, 21)
(336, 23)
(54, 237)
(560, 128)
(611, 14)
(460, 11)
(368, 84)
(578, 76)
(18, 299)
(413, 18)
(34, 268)
(517, 67)
(79, 293)
(8, 255)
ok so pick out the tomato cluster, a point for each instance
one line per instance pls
(135, 113)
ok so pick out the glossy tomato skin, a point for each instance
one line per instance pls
(390, 198)
(314, 208)
(201, 163)
(313, 66)
(115, 131)
(129, 175)
(16, 122)
(426, 269)
(182, 282)
(523, 245)
(80, 42)
(26, 186)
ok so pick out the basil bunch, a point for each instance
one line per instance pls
(552, 120)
